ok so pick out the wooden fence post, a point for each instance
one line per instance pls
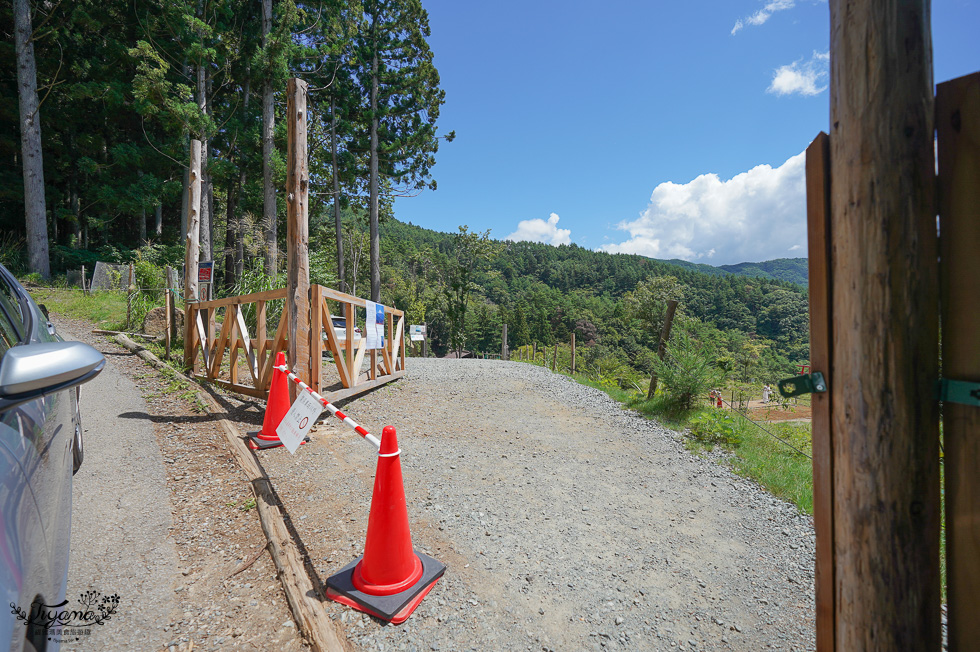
(167, 313)
(821, 320)
(958, 124)
(885, 340)
(662, 346)
(192, 246)
(84, 291)
(297, 233)
(573, 353)
(554, 359)
(129, 296)
(503, 344)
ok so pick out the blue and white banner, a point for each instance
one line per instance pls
(375, 326)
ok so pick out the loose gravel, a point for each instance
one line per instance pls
(566, 522)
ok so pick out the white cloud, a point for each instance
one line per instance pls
(537, 230)
(801, 77)
(757, 215)
(763, 14)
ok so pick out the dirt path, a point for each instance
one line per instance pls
(566, 523)
(161, 517)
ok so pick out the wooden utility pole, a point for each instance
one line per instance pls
(662, 346)
(958, 124)
(192, 245)
(297, 233)
(885, 321)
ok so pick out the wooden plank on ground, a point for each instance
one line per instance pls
(341, 394)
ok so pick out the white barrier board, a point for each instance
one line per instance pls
(303, 413)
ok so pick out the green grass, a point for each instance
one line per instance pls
(107, 310)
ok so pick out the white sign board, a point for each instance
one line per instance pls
(416, 333)
(375, 325)
(298, 421)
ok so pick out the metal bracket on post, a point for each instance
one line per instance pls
(958, 391)
(806, 384)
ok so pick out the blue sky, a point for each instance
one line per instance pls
(669, 129)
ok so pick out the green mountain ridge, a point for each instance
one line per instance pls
(791, 270)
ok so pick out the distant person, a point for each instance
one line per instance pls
(765, 393)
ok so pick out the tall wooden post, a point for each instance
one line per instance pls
(192, 245)
(821, 324)
(885, 340)
(297, 232)
(662, 346)
(503, 344)
(958, 124)
(84, 290)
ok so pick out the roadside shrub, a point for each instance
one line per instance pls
(686, 374)
(716, 428)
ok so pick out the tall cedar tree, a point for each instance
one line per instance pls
(30, 136)
(401, 84)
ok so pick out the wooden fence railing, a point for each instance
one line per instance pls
(232, 343)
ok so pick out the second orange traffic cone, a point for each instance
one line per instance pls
(275, 409)
(391, 578)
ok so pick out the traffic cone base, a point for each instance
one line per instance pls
(259, 443)
(395, 607)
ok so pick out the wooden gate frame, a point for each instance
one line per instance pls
(207, 345)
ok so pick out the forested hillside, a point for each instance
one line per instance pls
(613, 302)
(794, 270)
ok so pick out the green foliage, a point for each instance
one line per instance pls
(715, 427)
(686, 373)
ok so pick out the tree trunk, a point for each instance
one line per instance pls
(336, 195)
(375, 238)
(30, 141)
(885, 319)
(158, 226)
(268, 145)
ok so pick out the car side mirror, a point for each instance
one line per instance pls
(30, 371)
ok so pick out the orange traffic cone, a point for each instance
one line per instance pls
(390, 579)
(275, 409)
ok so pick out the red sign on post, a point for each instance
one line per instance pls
(204, 270)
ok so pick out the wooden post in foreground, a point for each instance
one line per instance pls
(297, 233)
(662, 346)
(192, 246)
(821, 324)
(958, 124)
(885, 356)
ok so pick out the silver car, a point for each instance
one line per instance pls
(40, 450)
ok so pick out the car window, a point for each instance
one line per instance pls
(11, 318)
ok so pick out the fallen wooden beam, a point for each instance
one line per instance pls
(321, 633)
(152, 338)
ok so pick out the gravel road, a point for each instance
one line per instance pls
(566, 522)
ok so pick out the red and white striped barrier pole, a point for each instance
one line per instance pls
(334, 411)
